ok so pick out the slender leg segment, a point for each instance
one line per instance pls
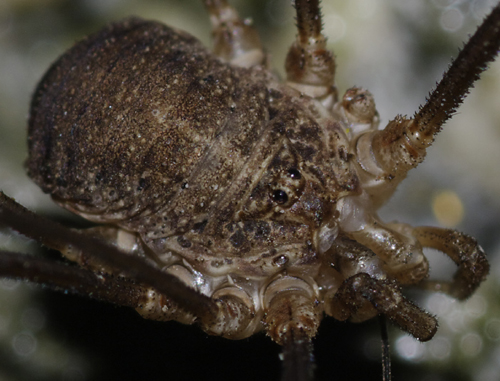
(386, 355)
(62, 277)
(292, 318)
(149, 289)
(298, 359)
(58, 237)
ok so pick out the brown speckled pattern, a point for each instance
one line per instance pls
(139, 125)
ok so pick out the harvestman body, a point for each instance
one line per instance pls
(230, 199)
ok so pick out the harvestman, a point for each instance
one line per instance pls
(261, 196)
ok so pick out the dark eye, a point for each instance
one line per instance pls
(294, 173)
(280, 196)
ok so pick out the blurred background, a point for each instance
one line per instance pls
(397, 49)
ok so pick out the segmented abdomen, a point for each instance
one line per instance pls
(140, 115)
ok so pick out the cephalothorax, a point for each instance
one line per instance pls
(236, 201)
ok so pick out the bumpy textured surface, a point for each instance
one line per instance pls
(259, 195)
(139, 125)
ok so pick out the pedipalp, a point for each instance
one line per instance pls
(473, 267)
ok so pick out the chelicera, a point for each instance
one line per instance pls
(287, 198)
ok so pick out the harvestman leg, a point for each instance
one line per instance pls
(293, 317)
(58, 237)
(134, 291)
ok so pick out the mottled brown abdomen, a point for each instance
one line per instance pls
(123, 121)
